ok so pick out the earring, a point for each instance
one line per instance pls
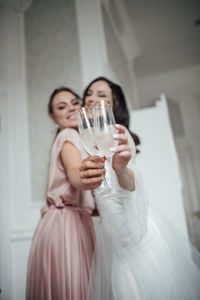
(57, 126)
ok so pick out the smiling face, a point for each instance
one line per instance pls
(64, 106)
(99, 90)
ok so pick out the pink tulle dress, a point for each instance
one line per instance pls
(62, 246)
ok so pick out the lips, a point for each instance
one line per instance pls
(71, 117)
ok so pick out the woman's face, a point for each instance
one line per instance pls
(99, 90)
(65, 105)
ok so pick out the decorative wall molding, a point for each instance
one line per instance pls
(190, 193)
(21, 234)
(18, 5)
(122, 48)
(92, 44)
(23, 5)
(121, 24)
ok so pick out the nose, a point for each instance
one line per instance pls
(90, 102)
(71, 107)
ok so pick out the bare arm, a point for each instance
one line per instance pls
(126, 179)
(83, 175)
(121, 158)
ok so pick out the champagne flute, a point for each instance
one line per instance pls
(85, 121)
(104, 129)
(104, 125)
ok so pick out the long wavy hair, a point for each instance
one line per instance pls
(120, 109)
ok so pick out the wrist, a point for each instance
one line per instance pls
(121, 172)
(126, 179)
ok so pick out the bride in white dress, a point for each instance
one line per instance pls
(138, 255)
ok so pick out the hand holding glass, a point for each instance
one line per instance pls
(96, 127)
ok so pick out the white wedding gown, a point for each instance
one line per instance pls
(138, 255)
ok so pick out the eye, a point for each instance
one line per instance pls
(102, 95)
(61, 107)
(88, 94)
(76, 102)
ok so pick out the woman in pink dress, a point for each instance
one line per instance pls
(62, 247)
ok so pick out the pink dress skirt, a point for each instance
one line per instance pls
(62, 247)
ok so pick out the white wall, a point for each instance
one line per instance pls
(52, 60)
(158, 162)
(16, 212)
(183, 88)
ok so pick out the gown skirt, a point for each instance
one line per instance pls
(138, 254)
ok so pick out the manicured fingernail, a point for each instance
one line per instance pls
(115, 136)
(112, 149)
(102, 159)
(117, 125)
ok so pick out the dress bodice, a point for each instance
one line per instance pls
(121, 210)
(111, 203)
(60, 192)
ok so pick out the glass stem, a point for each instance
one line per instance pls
(112, 174)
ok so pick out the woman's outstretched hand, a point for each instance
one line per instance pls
(121, 153)
(92, 171)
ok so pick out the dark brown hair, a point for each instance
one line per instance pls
(120, 109)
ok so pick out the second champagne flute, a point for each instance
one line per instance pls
(85, 121)
(104, 124)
